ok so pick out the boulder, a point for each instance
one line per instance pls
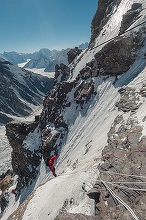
(73, 53)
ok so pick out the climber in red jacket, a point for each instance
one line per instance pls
(50, 164)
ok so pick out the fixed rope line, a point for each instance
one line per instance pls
(108, 157)
(113, 38)
(124, 153)
(120, 201)
(114, 183)
(121, 174)
(121, 154)
(125, 187)
(128, 182)
(118, 198)
(121, 182)
(111, 156)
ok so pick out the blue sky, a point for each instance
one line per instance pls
(29, 25)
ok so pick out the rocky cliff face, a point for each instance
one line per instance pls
(25, 161)
(103, 13)
(52, 124)
(53, 121)
(130, 17)
(117, 56)
(122, 164)
(73, 53)
(62, 73)
(20, 91)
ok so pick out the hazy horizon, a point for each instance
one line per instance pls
(27, 26)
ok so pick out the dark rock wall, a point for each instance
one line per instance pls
(130, 17)
(116, 57)
(73, 53)
(52, 115)
(62, 73)
(24, 161)
(104, 11)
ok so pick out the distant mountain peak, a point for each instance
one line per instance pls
(44, 58)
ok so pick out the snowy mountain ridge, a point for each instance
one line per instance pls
(20, 91)
(44, 58)
(94, 121)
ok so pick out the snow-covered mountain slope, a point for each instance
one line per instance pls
(20, 91)
(40, 59)
(14, 102)
(95, 123)
(42, 72)
(14, 57)
(47, 59)
(44, 58)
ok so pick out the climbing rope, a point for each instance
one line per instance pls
(113, 38)
(127, 182)
(125, 187)
(122, 174)
(120, 201)
(124, 153)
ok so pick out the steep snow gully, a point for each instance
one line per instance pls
(91, 128)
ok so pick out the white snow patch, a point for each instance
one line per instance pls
(5, 151)
(32, 142)
(41, 72)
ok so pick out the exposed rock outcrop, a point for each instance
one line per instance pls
(6, 180)
(24, 161)
(84, 92)
(114, 58)
(143, 90)
(4, 201)
(52, 123)
(51, 120)
(117, 56)
(70, 216)
(130, 17)
(130, 99)
(62, 73)
(73, 53)
(122, 168)
(104, 11)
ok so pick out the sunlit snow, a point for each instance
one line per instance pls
(81, 152)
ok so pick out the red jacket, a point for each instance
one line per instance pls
(51, 162)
